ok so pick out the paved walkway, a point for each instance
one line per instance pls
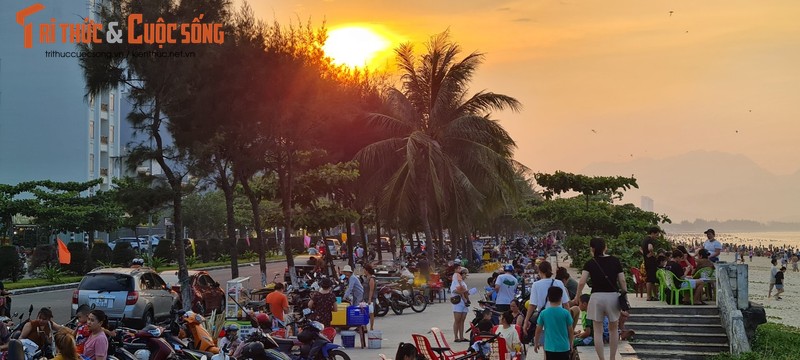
(398, 328)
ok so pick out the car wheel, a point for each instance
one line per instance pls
(147, 318)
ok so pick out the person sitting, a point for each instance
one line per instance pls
(687, 262)
(675, 268)
(585, 337)
(228, 343)
(39, 330)
(65, 345)
(508, 332)
(703, 260)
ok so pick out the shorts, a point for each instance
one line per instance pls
(691, 282)
(603, 304)
(460, 307)
(779, 286)
(650, 267)
(563, 355)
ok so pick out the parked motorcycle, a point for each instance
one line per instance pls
(147, 343)
(399, 296)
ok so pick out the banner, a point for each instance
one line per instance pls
(64, 257)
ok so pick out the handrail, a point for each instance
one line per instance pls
(730, 315)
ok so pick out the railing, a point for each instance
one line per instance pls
(732, 298)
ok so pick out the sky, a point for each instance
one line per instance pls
(613, 81)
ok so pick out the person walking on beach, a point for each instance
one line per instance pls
(713, 246)
(772, 274)
(779, 283)
(650, 262)
(794, 263)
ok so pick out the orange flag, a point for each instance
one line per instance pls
(64, 257)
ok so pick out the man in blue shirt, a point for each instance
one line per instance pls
(354, 286)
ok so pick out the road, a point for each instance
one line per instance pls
(60, 301)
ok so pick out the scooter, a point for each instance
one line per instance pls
(147, 343)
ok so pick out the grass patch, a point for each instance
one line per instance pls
(773, 342)
(29, 283)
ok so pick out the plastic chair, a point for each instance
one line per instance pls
(708, 275)
(498, 347)
(441, 342)
(428, 352)
(661, 277)
(639, 282)
(675, 285)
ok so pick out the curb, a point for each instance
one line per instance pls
(39, 289)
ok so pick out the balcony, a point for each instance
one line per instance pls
(104, 140)
(104, 107)
(103, 172)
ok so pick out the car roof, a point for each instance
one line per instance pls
(175, 272)
(121, 270)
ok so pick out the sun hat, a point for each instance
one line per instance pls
(347, 268)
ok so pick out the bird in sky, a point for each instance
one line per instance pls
(670, 12)
(594, 131)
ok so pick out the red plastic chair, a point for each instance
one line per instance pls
(639, 282)
(519, 334)
(441, 342)
(425, 349)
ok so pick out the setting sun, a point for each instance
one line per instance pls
(355, 46)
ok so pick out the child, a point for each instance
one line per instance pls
(779, 283)
(82, 331)
(556, 323)
(586, 337)
(508, 332)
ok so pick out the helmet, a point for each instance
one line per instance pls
(253, 350)
(137, 261)
(508, 267)
(263, 319)
(232, 327)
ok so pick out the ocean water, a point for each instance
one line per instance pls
(790, 239)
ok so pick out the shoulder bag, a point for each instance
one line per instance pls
(624, 305)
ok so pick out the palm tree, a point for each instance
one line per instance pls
(440, 151)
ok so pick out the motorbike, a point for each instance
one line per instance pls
(399, 296)
(314, 342)
(147, 343)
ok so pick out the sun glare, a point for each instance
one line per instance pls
(355, 46)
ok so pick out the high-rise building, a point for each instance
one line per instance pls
(647, 203)
(49, 128)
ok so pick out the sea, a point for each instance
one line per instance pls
(778, 239)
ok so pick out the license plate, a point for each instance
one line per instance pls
(102, 303)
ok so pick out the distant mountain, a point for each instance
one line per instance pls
(709, 185)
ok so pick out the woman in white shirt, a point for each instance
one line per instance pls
(460, 310)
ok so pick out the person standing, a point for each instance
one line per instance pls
(608, 281)
(372, 294)
(323, 303)
(650, 261)
(278, 303)
(556, 324)
(772, 274)
(506, 287)
(355, 290)
(538, 300)
(460, 309)
(713, 246)
(779, 283)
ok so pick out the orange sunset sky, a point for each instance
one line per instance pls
(652, 78)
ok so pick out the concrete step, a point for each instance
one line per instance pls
(677, 354)
(651, 326)
(669, 347)
(674, 318)
(684, 336)
(686, 310)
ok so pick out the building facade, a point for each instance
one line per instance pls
(49, 128)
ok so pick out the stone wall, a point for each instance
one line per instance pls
(732, 298)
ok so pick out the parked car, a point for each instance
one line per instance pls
(334, 246)
(385, 244)
(303, 264)
(205, 291)
(152, 239)
(140, 296)
(138, 244)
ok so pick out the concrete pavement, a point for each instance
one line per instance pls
(398, 328)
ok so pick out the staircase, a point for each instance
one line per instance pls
(676, 332)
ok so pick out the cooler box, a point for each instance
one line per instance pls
(357, 316)
(339, 317)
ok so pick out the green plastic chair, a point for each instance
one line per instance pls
(674, 284)
(662, 284)
(709, 274)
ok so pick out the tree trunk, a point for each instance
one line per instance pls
(285, 179)
(349, 241)
(363, 233)
(256, 208)
(378, 236)
(175, 183)
(230, 226)
(426, 226)
(440, 234)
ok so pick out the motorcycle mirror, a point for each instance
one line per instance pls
(30, 310)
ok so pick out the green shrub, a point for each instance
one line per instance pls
(99, 255)
(79, 257)
(165, 250)
(214, 247)
(10, 265)
(51, 273)
(154, 262)
(123, 254)
(43, 255)
(201, 248)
